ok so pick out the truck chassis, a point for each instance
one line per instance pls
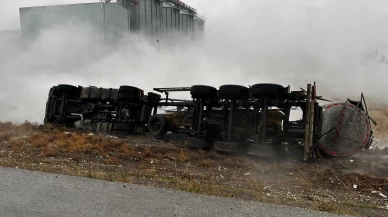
(232, 118)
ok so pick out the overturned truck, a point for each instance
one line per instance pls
(233, 118)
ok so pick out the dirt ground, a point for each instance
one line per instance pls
(355, 185)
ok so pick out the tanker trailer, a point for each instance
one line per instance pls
(345, 128)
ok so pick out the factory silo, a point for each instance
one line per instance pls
(170, 20)
(198, 28)
(146, 16)
(164, 19)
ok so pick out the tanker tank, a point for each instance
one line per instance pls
(346, 129)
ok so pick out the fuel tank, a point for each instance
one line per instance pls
(345, 130)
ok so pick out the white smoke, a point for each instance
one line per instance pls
(287, 42)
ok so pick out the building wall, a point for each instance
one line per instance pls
(198, 29)
(153, 18)
(161, 19)
(170, 22)
(109, 21)
(117, 21)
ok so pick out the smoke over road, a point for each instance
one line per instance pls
(246, 42)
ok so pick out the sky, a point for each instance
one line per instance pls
(290, 42)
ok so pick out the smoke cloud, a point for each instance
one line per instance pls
(246, 42)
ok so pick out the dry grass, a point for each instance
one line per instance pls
(148, 153)
(206, 163)
(345, 181)
(6, 126)
(53, 150)
(325, 207)
(182, 157)
(5, 136)
(340, 209)
(53, 142)
(380, 115)
(29, 140)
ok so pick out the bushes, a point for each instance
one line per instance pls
(4, 136)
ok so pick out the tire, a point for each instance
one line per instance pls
(85, 93)
(177, 139)
(113, 95)
(271, 91)
(199, 143)
(157, 126)
(203, 92)
(98, 128)
(104, 128)
(70, 90)
(67, 88)
(129, 94)
(94, 128)
(233, 92)
(153, 97)
(229, 147)
(128, 89)
(95, 93)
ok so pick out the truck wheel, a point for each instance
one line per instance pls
(129, 94)
(70, 90)
(271, 91)
(157, 126)
(107, 128)
(67, 88)
(203, 92)
(99, 127)
(199, 143)
(233, 92)
(113, 95)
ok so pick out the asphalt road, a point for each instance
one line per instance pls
(36, 194)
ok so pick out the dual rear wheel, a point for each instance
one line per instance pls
(238, 92)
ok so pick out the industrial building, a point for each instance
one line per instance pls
(156, 19)
(165, 18)
(107, 21)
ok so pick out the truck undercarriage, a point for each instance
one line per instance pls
(233, 118)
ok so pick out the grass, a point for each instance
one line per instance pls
(206, 163)
(123, 175)
(334, 208)
(135, 161)
(5, 136)
(361, 205)
(182, 157)
(325, 207)
(189, 183)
